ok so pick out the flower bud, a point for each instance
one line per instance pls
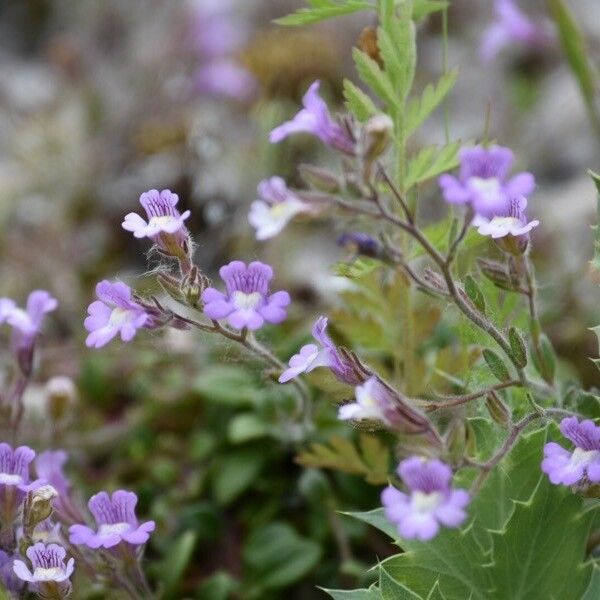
(61, 395)
(456, 440)
(498, 410)
(360, 243)
(497, 274)
(377, 133)
(38, 507)
(319, 179)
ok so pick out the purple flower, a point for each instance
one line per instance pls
(483, 183)
(49, 466)
(276, 207)
(431, 501)
(26, 323)
(114, 312)
(7, 576)
(248, 302)
(48, 564)
(580, 465)
(360, 243)
(14, 468)
(509, 221)
(165, 225)
(116, 522)
(511, 26)
(226, 78)
(326, 354)
(315, 119)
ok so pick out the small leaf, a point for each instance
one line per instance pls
(370, 594)
(376, 518)
(596, 260)
(390, 589)
(517, 347)
(322, 10)
(496, 365)
(544, 358)
(419, 109)
(357, 102)
(178, 558)
(372, 75)
(431, 162)
(475, 294)
(235, 472)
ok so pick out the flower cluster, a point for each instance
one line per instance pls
(430, 502)
(497, 202)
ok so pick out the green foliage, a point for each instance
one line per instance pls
(371, 594)
(543, 357)
(430, 162)
(370, 458)
(474, 292)
(277, 556)
(176, 562)
(357, 102)
(503, 552)
(320, 10)
(596, 260)
(419, 109)
(517, 347)
(496, 365)
(377, 79)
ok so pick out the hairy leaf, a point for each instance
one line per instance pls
(357, 102)
(372, 75)
(321, 10)
(431, 162)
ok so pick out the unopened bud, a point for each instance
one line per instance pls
(377, 133)
(319, 179)
(435, 280)
(497, 274)
(61, 395)
(38, 507)
(515, 245)
(170, 285)
(360, 243)
(456, 440)
(498, 410)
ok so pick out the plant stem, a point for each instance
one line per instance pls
(450, 401)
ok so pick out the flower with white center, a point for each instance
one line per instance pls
(115, 312)
(116, 522)
(370, 403)
(583, 462)
(165, 225)
(275, 208)
(248, 302)
(430, 502)
(48, 569)
(510, 221)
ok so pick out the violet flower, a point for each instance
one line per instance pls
(430, 502)
(116, 522)
(248, 302)
(14, 468)
(375, 401)
(583, 462)
(511, 26)
(315, 119)
(26, 323)
(115, 312)
(49, 574)
(8, 578)
(483, 183)
(326, 354)
(165, 225)
(509, 221)
(276, 207)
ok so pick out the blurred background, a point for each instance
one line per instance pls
(101, 100)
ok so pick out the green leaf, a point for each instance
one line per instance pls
(431, 162)
(435, 593)
(377, 519)
(322, 10)
(371, 459)
(496, 365)
(371, 594)
(245, 427)
(593, 590)
(178, 558)
(235, 472)
(475, 294)
(219, 586)
(517, 347)
(573, 45)
(596, 260)
(544, 358)
(390, 589)
(372, 75)
(420, 108)
(540, 551)
(357, 102)
(276, 556)
(229, 385)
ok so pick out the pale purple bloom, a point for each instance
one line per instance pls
(47, 564)
(248, 301)
(483, 181)
(583, 462)
(510, 221)
(315, 119)
(14, 468)
(276, 207)
(225, 77)
(511, 26)
(165, 225)
(115, 312)
(430, 502)
(326, 354)
(26, 323)
(116, 522)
